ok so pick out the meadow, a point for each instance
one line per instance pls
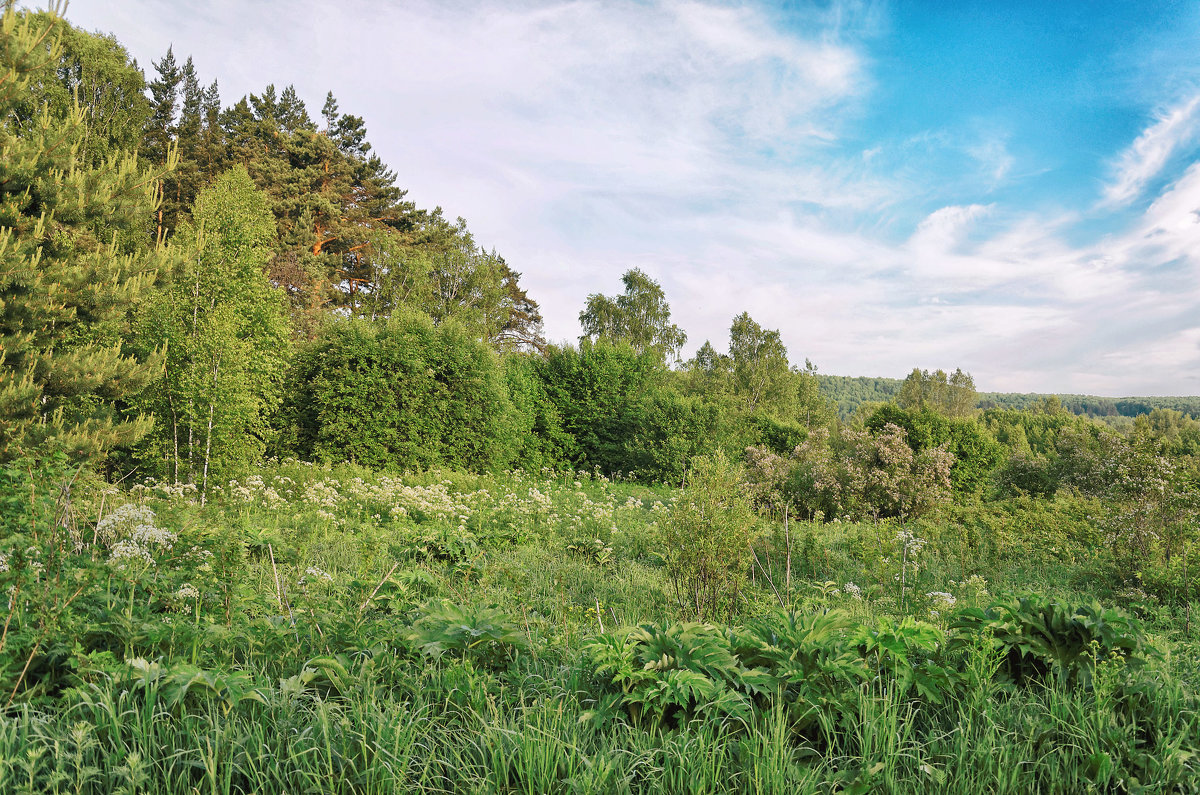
(334, 629)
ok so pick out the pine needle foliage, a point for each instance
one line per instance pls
(66, 278)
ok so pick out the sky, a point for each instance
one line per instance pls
(1010, 188)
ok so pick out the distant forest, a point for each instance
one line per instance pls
(850, 392)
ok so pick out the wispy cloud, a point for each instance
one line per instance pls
(1147, 156)
(993, 157)
(720, 146)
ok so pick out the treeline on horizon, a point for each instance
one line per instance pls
(188, 286)
(850, 392)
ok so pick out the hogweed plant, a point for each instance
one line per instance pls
(910, 550)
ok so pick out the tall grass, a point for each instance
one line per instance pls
(298, 668)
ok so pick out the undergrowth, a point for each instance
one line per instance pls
(338, 630)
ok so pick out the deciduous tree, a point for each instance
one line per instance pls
(225, 332)
(952, 395)
(760, 364)
(640, 317)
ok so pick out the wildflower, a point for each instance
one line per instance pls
(152, 536)
(202, 558)
(941, 596)
(128, 515)
(317, 574)
(910, 543)
(187, 591)
(126, 551)
(852, 590)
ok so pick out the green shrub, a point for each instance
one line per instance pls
(669, 674)
(814, 665)
(592, 388)
(401, 394)
(816, 668)
(706, 539)
(1041, 638)
(484, 635)
(542, 442)
(976, 452)
(663, 432)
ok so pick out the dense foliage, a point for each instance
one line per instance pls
(443, 632)
(402, 393)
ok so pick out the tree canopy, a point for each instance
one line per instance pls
(640, 317)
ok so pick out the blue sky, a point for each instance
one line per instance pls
(1011, 188)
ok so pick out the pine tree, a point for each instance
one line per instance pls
(72, 263)
(158, 142)
(211, 156)
(180, 187)
(164, 95)
(329, 112)
(522, 328)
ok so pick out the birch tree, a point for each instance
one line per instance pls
(224, 330)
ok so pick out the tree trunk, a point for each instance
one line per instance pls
(208, 441)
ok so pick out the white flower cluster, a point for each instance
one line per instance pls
(126, 552)
(151, 535)
(909, 542)
(178, 491)
(136, 536)
(202, 559)
(187, 591)
(256, 491)
(318, 574)
(541, 502)
(3, 563)
(126, 516)
(33, 553)
(944, 598)
(171, 491)
(240, 492)
(322, 494)
(853, 590)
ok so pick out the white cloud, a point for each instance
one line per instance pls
(993, 157)
(1147, 156)
(700, 142)
(945, 229)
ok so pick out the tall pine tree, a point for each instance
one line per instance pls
(71, 263)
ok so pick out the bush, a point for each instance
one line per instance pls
(542, 441)
(402, 394)
(707, 538)
(1041, 638)
(591, 388)
(663, 432)
(976, 452)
